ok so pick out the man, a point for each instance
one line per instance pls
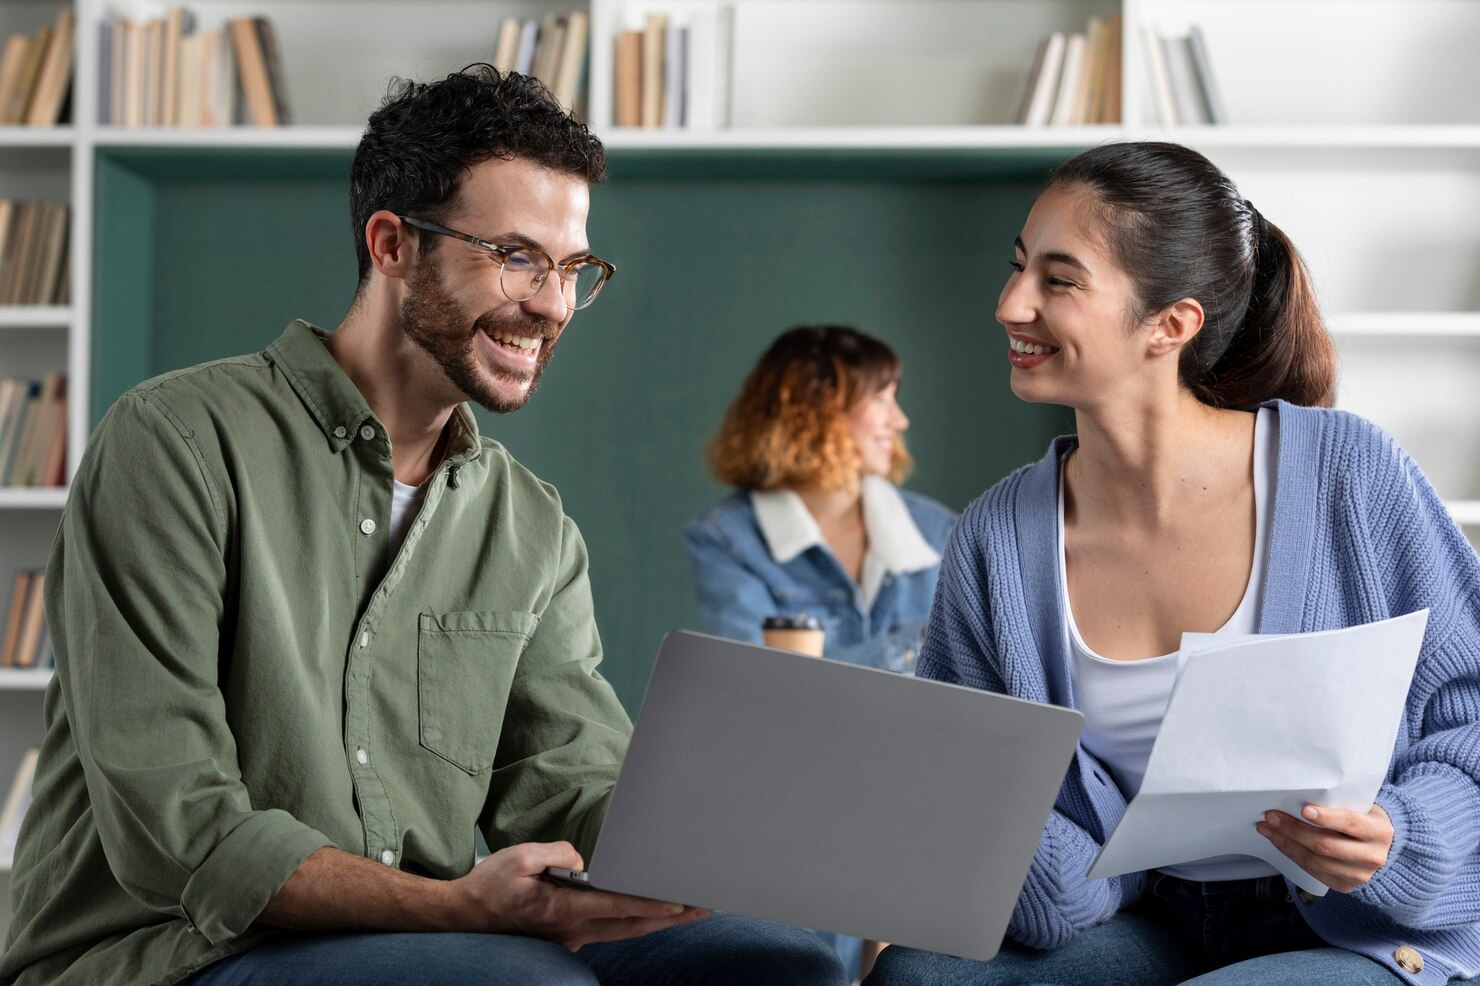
(312, 630)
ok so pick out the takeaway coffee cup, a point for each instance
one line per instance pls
(801, 633)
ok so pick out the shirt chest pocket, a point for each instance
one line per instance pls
(465, 665)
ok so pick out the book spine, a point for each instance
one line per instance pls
(1202, 66)
(1074, 56)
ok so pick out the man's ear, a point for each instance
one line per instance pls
(1176, 326)
(392, 248)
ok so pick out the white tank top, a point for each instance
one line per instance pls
(405, 505)
(1124, 701)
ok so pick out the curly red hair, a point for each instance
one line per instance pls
(788, 429)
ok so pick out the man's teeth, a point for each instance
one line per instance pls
(1030, 349)
(528, 345)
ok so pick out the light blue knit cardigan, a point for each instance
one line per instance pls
(1358, 535)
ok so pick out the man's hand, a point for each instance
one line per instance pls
(1342, 849)
(507, 893)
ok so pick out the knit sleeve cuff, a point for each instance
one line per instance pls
(1431, 813)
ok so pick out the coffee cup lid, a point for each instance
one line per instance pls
(799, 621)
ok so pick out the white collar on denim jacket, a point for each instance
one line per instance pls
(895, 544)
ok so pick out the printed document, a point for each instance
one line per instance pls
(1266, 722)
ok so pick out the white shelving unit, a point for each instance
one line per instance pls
(1353, 127)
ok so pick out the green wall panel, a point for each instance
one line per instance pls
(711, 268)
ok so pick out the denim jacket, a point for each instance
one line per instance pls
(761, 554)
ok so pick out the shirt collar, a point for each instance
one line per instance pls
(336, 404)
(894, 540)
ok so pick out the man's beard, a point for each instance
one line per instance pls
(432, 320)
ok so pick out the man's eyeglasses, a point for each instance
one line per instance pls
(524, 270)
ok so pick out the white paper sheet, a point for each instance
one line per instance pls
(1266, 722)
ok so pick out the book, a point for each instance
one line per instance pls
(14, 392)
(251, 66)
(674, 52)
(529, 35)
(700, 66)
(1034, 71)
(55, 78)
(12, 65)
(272, 57)
(1075, 52)
(506, 51)
(25, 438)
(1114, 86)
(15, 614)
(133, 74)
(169, 75)
(653, 55)
(53, 471)
(1203, 70)
(32, 623)
(17, 802)
(153, 32)
(52, 255)
(105, 70)
(627, 86)
(27, 84)
(19, 252)
(547, 49)
(1160, 79)
(1045, 88)
(1088, 100)
(1189, 99)
(572, 70)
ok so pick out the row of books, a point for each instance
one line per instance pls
(1182, 85)
(17, 803)
(33, 431)
(166, 73)
(33, 253)
(36, 74)
(675, 72)
(1075, 78)
(27, 642)
(552, 50)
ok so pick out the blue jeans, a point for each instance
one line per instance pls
(722, 950)
(1229, 933)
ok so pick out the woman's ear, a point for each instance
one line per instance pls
(1177, 325)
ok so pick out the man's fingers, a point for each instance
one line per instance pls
(531, 858)
(615, 929)
(601, 905)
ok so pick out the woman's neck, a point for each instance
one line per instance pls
(1145, 463)
(839, 516)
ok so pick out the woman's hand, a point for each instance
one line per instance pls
(1341, 848)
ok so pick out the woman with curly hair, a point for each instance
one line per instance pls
(818, 525)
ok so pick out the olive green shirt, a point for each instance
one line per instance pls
(246, 674)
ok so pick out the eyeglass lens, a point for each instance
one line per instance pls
(524, 274)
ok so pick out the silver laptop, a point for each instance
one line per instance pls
(830, 796)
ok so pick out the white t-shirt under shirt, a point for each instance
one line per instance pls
(405, 504)
(1124, 701)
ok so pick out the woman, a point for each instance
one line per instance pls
(1208, 489)
(814, 445)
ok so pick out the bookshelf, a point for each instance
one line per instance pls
(852, 121)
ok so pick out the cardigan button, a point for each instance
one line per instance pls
(1408, 959)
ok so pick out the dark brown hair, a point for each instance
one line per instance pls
(1178, 226)
(426, 135)
(787, 429)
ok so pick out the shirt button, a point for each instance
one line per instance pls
(364, 758)
(367, 432)
(365, 638)
(388, 857)
(341, 431)
(1408, 959)
(367, 526)
(1306, 897)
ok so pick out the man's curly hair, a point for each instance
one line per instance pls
(426, 135)
(788, 427)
